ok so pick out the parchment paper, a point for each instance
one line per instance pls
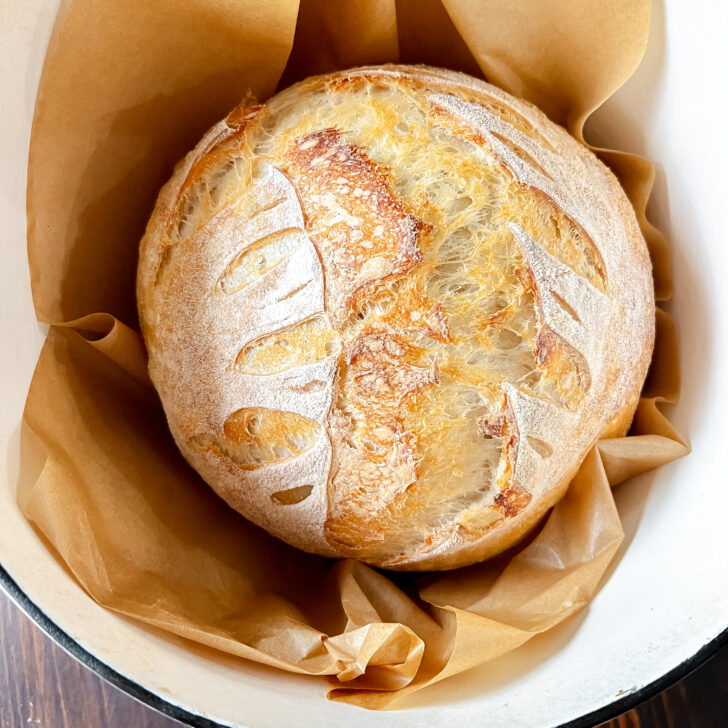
(128, 87)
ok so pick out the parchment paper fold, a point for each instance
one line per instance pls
(127, 88)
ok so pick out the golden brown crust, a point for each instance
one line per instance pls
(373, 238)
(389, 312)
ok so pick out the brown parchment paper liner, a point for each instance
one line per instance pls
(127, 88)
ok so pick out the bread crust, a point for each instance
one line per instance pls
(274, 224)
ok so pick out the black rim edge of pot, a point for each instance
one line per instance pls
(601, 715)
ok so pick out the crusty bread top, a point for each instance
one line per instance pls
(389, 311)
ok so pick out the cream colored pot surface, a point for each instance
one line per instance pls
(637, 629)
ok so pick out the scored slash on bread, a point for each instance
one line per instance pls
(289, 293)
(389, 312)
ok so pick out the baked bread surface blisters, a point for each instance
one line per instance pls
(389, 312)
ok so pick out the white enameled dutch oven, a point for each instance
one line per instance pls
(664, 608)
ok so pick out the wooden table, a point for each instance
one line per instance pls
(40, 685)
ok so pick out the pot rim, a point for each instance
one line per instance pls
(611, 710)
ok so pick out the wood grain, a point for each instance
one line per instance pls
(40, 685)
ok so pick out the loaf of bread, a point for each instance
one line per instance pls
(389, 311)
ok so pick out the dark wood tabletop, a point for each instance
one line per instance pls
(40, 685)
